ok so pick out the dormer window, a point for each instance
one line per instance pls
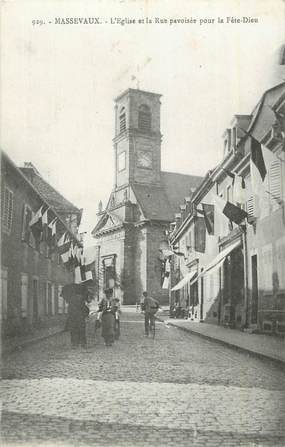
(144, 118)
(122, 119)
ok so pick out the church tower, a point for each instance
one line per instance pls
(137, 142)
(131, 230)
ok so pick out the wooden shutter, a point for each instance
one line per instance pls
(275, 187)
(250, 206)
(8, 209)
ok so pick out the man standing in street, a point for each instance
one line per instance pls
(149, 306)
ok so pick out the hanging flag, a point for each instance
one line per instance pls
(167, 266)
(165, 284)
(63, 243)
(239, 191)
(45, 225)
(280, 118)
(257, 157)
(51, 238)
(200, 235)
(208, 213)
(82, 274)
(36, 223)
(232, 212)
(78, 257)
(65, 256)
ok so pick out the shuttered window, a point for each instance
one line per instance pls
(250, 206)
(8, 205)
(275, 184)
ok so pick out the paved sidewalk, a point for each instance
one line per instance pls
(13, 343)
(266, 346)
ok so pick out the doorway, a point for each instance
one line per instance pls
(254, 299)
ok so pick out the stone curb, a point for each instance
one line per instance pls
(267, 357)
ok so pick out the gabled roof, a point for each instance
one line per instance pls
(41, 197)
(108, 221)
(153, 202)
(177, 187)
(162, 202)
(53, 197)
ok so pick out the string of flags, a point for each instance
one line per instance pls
(72, 254)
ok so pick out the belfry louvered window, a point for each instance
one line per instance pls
(144, 118)
(122, 120)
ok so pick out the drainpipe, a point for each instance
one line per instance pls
(245, 271)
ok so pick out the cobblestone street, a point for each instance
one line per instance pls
(176, 390)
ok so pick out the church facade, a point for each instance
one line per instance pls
(132, 230)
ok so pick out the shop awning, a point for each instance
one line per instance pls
(218, 260)
(187, 278)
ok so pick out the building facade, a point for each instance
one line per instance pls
(32, 274)
(131, 230)
(236, 277)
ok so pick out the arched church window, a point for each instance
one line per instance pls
(122, 119)
(144, 118)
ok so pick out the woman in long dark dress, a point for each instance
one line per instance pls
(76, 295)
(108, 309)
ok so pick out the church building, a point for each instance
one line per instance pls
(132, 229)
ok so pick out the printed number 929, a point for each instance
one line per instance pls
(38, 22)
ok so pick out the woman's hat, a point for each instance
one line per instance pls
(108, 291)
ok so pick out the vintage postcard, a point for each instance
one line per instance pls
(142, 223)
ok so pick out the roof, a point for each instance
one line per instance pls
(178, 186)
(162, 202)
(153, 202)
(133, 90)
(263, 110)
(26, 179)
(53, 197)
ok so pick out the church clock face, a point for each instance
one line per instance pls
(144, 159)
